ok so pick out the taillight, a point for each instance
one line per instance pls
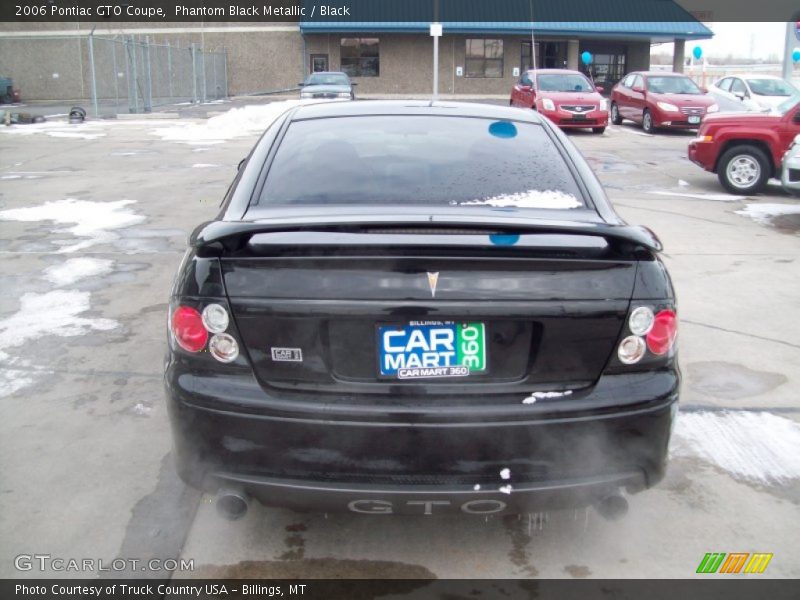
(663, 333)
(654, 332)
(188, 329)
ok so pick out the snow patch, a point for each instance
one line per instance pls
(530, 199)
(237, 122)
(505, 474)
(476, 487)
(75, 269)
(755, 446)
(204, 166)
(52, 313)
(91, 220)
(715, 197)
(10, 176)
(541, 395)
(506, 489)
(762, 213)
(11, 379)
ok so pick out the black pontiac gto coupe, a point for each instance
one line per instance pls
(420, 307)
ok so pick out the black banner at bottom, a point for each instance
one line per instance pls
(733, 588)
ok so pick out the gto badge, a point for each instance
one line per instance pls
(433, 279)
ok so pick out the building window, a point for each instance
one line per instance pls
(360, 57)
(484, 58)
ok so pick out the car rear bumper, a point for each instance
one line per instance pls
(325, 457)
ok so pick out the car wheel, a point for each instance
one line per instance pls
(647, 122)
(8, 99)
(598, 130)
(743, 170)
(616, 119)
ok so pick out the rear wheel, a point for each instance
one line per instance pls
(598, 129)
(616, 118)
(647, 122)
(743, 170)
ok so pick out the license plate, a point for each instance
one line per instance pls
(432, 349)
(579, 117)
(694, 120)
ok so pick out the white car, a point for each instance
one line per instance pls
(754, 92)
(790, 171)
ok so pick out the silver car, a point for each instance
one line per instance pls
(790, 173)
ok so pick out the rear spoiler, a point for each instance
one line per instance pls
(219, 237)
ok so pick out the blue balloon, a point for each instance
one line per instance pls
(697, 52)
(796, 55)
(586, 57)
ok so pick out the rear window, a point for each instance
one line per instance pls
(421, 160)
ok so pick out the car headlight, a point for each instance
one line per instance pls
(603, 104)
(548, 104)
(667, 106)
(713, 108)
(343, 95)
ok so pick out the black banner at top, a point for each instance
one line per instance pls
(396, 11)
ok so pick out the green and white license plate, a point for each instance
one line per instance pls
(694, 120)
(432, 349)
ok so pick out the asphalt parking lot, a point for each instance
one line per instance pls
(94, 219)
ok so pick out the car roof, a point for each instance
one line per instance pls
(658, 74)
(412, 107)
(753, 76)
(328, 73)
(555, 71)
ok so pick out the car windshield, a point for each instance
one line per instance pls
(328, 79)
(672, 85)
(771, 87)
(788, 104)
(424, 160)
(564, 82)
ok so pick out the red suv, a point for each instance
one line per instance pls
(565, 97)
(658, 99)
(746, 149)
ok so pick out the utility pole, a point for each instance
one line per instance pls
(436, 33)
(791, 42)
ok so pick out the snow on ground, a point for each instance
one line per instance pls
(756, 446)
(763, 213)
(57, 129)
(700, 196)
(91, 220)
(204, 166)
(529, 199)
(53, 313)
(237, 122)
(75, 269)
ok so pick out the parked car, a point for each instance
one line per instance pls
(790, 171)
(658, 99)
(565, 97)
(361, 329)
(328, 84)
(745, 150)
(754, 92)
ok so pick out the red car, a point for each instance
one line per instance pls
(746, 149)
(658, 99)
(565, 97)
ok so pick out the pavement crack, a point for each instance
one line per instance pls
(744, 333)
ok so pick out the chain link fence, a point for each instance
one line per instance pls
(111, 75)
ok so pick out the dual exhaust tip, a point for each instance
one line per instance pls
(233, 503)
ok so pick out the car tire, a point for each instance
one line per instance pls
(616, 119)
(647, 122)
(598, 130)
(743, 170)
(7, 99)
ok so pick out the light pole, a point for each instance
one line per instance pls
(436, 33)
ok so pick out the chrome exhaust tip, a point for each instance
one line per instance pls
(232, 504)
(612, 507)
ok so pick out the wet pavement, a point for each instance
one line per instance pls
(85, 445)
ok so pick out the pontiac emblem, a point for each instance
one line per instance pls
(433, 279)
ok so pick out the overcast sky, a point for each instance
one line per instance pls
(754, 40)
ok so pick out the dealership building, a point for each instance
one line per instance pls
(383, 57)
